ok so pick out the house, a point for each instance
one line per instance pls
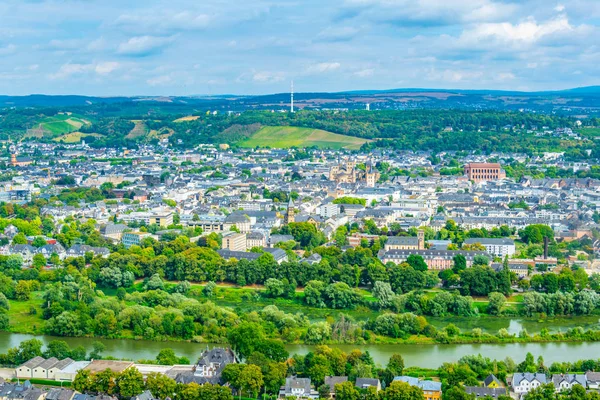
(431, 390)
(26, 370)
(593, 380)
(300, 388)
(486, 392)
(16, 391)
(331, 381)
(491, 382)
(145, 395)
(563, 382)
(209, 367)
(363, 383)
(60, 394)
(79, 250)
(523, 382)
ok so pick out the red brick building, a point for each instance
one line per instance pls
(478, 172)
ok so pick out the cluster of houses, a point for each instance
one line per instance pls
(236, 202)
(210, 365)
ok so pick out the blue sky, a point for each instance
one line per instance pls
(176, 47)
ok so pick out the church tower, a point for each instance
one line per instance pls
(289, 215)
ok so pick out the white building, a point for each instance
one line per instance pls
(496, 246)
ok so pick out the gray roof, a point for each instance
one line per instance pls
(569, 378)
(480, 391)
(491, 241)
(529, 377)
(331, 381)
(402, 241)
(49, 363)
(424, 385)
(34, 362)
(366, 382)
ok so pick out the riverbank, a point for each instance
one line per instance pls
(415, 355)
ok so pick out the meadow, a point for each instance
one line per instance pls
(292, 136)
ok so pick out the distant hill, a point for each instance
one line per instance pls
(583, 98)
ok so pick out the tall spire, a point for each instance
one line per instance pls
(292, 98)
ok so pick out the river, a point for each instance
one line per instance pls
(428, 356)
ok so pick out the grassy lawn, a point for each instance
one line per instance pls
(21, 320)
(290, 136)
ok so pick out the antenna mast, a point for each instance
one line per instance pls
(292, 98)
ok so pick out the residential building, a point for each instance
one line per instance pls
(431, 390)
(299, 388)
(235, 242)
(564, 382)
(331, 381)
(500, 247)
(209, 367)
(133, 238)
(523, 382)
(364, 383)
(486, 392)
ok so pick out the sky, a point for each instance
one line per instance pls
(184, 47)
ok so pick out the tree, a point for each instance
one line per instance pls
(19, 238)
(97, 350)
(244, 337)
(29, 349)
(160, 385)
(57, 348)
(496, 302)
(460, 263)
(275, 287)
(346, 391)
(396, 364)
(38, 242)
(250, 379)
(130, 383)
(39, 261)
(417, 262)
(403, 391)
(209, 289)
(167, 356)
(83, 381)
(104, 382)
(384, 294)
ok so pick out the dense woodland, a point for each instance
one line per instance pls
(417, 130)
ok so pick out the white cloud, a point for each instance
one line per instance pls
(143, 45)
(68, 70)
(559, 8)
(71, 69)
(323, 67)
(105, 68)
(337, 33)
(528, 31)
(8, 49)
(163, 22)
(161, 80)
(364, 73)
(267, 77)
(432, 12)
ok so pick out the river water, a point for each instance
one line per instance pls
(428, 356)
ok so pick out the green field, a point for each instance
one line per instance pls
(291, 136)
(60, 124)
(74, 137)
